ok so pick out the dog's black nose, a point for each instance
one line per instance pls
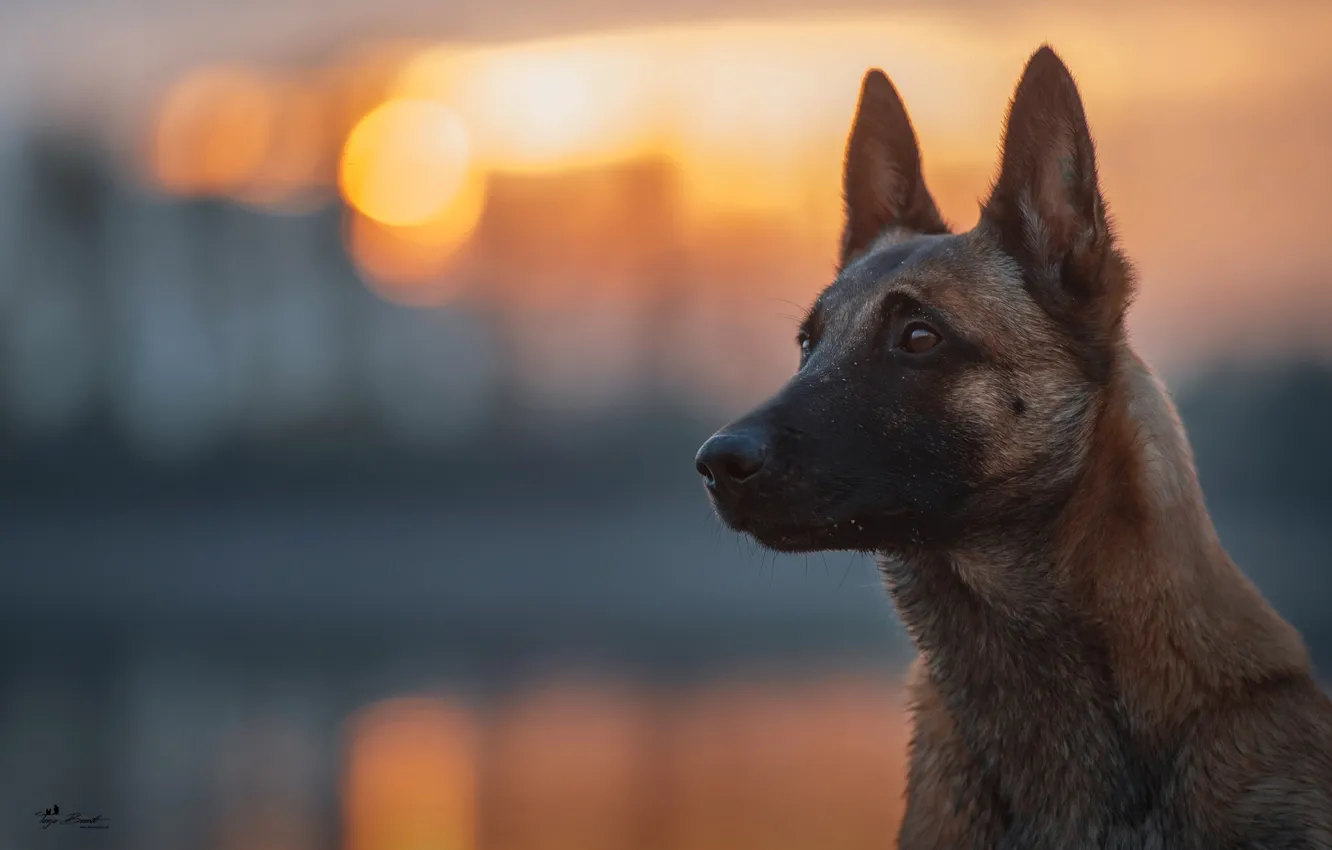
(731, 457)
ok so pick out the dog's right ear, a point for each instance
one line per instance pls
(882, 182)
(1048, 212)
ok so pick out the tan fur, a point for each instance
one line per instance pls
(1187, 638)
(1164, 586)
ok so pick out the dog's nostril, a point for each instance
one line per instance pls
(731, 458)
(703, 470)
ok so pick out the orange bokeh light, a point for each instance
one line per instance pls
(412, 264)
(231, 132)
(405, 162)
(213, 131)
(411, 777)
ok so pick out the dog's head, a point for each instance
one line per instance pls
(947, 382)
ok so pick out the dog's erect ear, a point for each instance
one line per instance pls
(882, 181)
(1047, 206)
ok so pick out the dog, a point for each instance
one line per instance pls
(1092, 670)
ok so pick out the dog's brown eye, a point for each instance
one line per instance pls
(918, 338)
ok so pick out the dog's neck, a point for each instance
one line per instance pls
(1101, 633)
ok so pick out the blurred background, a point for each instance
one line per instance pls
(353, 357)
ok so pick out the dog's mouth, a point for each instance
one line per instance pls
(798, 507)
(854, 533)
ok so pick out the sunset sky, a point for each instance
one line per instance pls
(1212, 122)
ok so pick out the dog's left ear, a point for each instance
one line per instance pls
(1047, 206)
(882, 182)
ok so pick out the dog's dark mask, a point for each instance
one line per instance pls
(858, 450)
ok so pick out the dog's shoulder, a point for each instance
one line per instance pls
(1258, 769)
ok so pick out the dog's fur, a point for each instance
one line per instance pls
(1093, 669)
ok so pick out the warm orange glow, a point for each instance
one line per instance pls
(296, 162)
(410, 781)
(405, 162)
(232, 132)
(556, 106)
(790, 766)
(746, 122)
(410, 264)
(567, 769)
(754, 112)
(213, 131)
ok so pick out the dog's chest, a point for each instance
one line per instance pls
(1093, 832)
(1106, 802)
